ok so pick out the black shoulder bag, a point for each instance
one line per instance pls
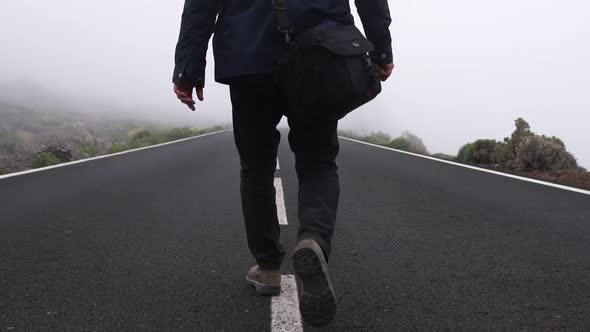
(327, 71)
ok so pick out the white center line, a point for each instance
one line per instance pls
(280, 199)
(285, 308)
(285, 316)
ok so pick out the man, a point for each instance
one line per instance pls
(246, 45)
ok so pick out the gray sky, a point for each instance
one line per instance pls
(464, 69)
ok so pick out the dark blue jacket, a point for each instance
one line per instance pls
(246, 40)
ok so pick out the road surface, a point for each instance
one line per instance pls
(154, 240)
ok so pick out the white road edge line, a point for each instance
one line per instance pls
(280, 200)
(104, 156)
(285, 316)
(548, 184)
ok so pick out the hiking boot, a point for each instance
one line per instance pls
(266, 282)
(317, 301)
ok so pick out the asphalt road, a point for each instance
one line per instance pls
(154, 240)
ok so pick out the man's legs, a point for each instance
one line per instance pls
(256, 113)
(316, 146)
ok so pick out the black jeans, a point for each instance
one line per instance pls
(258, 106)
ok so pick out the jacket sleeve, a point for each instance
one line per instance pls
(376, 21)
(196, 28)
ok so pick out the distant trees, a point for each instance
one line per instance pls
(523, 150)
(416, 145)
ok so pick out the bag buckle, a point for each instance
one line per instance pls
(280, 4)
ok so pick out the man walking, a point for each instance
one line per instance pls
(246, 47)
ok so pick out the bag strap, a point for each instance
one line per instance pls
(283, 21)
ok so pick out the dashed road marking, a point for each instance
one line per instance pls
(280, 199)
(285, 308)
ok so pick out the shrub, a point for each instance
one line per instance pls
(144, 138)
(379, 138)
(349, 134)
(400, 143)
(134, 132)
(61, 153)
(543, 154)
(44, 159)
(212, 130)
(416, 143)
(503, 154)
(180, 133)
(523, 129)
(4, 170)
(118, 147)
(143, 134)
(465, 154)
(555, 140)
(480, 152)
(89, 152)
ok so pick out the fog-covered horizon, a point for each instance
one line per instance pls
(464, 70)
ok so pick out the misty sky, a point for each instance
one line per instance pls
(465, 69)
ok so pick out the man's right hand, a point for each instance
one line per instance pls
(184, 92)
(385, 71)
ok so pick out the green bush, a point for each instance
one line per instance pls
(118, 147)
(543, 154)
(480, 152)
(44, 159)
(145, 138)
(400, 143)
(523, 150)
(523, 129)
(4, 170)
(465, 154)
(349, 134)
(143, 134)
(212, 130)
(89, 152)
(180, 133)
(379, 138)
(416, 143)
(503, 154)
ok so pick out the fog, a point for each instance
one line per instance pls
(464, 69)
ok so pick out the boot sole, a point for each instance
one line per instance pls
(317, 302)
(263, 289)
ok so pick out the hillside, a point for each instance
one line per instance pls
(52, 130)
